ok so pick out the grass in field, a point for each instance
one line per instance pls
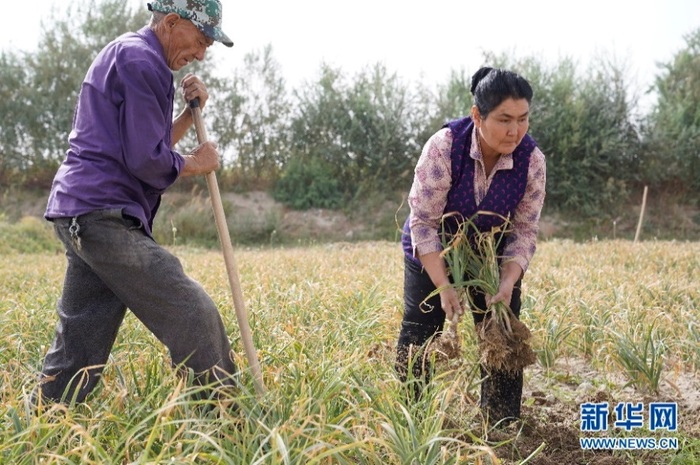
(325, 320)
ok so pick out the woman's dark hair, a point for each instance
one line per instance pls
(491, 86)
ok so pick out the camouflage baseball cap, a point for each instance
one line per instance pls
(205, 14)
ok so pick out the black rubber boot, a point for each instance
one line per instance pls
(501, 394)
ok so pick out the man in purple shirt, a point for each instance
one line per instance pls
(106, 193)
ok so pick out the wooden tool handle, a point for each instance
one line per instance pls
(227, 247)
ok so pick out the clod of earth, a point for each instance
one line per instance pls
(501, 349)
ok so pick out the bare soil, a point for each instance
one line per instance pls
(313, 224)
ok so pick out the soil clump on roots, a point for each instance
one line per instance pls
(448, 345)
(504, 347)
(501, 347)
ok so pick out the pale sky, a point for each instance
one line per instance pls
(426, 39)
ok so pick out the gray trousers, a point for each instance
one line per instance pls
(113, 265)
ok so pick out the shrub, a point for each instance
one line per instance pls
(308, 184)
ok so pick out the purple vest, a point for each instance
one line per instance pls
(505, 193)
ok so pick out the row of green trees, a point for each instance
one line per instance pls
(339, 137)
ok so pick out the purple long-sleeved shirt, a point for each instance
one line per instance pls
(120, 153)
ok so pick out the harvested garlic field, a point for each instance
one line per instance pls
(612, 322)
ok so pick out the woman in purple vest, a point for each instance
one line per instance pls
(486, 162)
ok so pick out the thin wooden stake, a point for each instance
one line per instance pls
(641, 214)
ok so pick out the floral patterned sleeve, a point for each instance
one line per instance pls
(428, 196)
(522, 242)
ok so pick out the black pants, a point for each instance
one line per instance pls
(501, 392)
